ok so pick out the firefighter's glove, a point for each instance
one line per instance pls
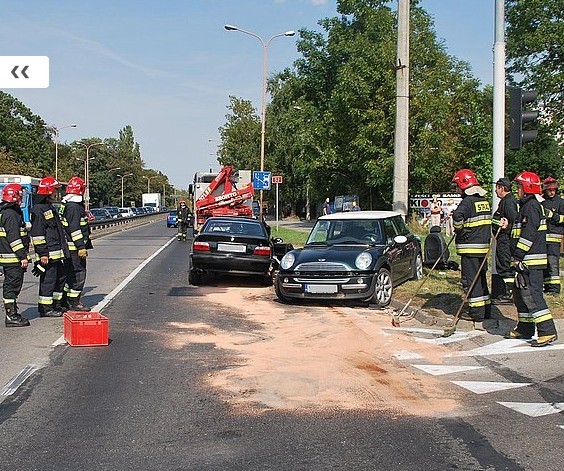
(82, 253)
(38, 269)
(521, 276)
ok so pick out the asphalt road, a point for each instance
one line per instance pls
(144, 401)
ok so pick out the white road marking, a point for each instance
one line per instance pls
(561, 426)
(482, 387)
(504, 347)
(102, 304)
(12, 385)
(406, 355)
(437, 370)
(439, 340)
(534, 409)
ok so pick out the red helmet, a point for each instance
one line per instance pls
(76, 186)
(12, 193)
(530, 181)
(48, 185)
(465, 178)
(550, 183)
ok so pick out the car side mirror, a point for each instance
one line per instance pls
(400, 239)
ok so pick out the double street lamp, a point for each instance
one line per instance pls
(149, 182)
(87, 171)
(56, 131)
(263, 112)
(122, 179)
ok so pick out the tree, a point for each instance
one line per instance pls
(535, 51)
(240, 136)
(24, 139)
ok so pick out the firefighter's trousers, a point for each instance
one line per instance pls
(504, 281)
(13, 282)
(552, 273)
(75, 268)
(531, 307)
(479, 305)
(51, 285)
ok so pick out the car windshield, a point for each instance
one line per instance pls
(246, 228)
(346, 231)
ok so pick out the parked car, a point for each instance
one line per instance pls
(114, 211)
(126, 212)
(172, 219)
(235, 246)
(100, 214)
(359, 255)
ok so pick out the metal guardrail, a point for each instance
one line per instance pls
(118, 224)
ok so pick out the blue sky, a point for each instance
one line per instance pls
(167, 67)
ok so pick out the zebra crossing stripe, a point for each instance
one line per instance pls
(437, 370)
(534, 409)
(483, 387)
(407, 355)
(504, 347)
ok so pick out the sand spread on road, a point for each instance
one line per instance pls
(315, 357)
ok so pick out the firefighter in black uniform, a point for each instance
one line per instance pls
(472, 226)
(49, 241)
(183, 216)
(528, 250)
(75, 222)
(554, 203)
(14, 257)
(502, 282)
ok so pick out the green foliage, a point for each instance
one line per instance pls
(535, 42)
(24, 140)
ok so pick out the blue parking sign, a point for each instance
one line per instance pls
(262, 180)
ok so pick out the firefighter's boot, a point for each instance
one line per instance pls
(76, 305)
(48, 311)
(59, 306)
(13, 318)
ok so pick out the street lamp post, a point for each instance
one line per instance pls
(56, 131)
(122, 179)
(87, 171)
(263, 111)
(149, 182)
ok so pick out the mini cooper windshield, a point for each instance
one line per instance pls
(347, 231)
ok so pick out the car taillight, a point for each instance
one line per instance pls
(201, 247)
(262, 251)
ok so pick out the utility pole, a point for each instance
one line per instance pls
(401, 142)
(499, 97)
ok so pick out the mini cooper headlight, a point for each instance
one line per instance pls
(363, 261)
(287, 261)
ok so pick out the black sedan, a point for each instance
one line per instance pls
(357, 255)
(234, 246)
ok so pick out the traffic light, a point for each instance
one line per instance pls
(518, 98)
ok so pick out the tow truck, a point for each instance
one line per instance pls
(222, 198)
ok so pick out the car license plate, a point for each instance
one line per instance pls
(239, 248)
(321, 289)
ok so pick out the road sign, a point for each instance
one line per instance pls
(276, 179)
(24, 71)
(261, 180)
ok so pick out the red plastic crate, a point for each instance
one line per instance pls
(85, 329)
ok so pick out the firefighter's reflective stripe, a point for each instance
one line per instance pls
(45, 300)
(48, 214)
(482, 220)
(71, 293)
(76, 235)
(479, 301)
(9, 258)
(535, 260)
(552, 280)
(480, 249)
(17, 245)
(38, 240)
(554, 238)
